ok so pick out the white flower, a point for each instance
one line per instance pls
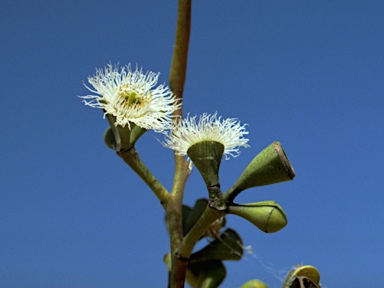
(228, 132)
(130, 96)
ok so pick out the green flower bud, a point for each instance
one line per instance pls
(109, 138)
(254, 284)
(268, 216)
(124, 137)
(270, 166)
(168, 261)
(206, 156)
(302, 276)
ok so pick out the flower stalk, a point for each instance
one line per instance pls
(131, 157)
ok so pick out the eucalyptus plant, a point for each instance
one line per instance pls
(134, 103)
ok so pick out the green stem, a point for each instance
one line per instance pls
(216, 199)
(180, 53)
(176, 81)
(132, 159)
(231, 194)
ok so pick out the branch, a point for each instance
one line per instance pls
(132, 159)
(176, 81)
(209, 216)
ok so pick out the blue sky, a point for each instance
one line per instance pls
(306, 73)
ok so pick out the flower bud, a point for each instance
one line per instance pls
(270, 166)
(206, 156)
(254, 284)
(302, 276)
(168, 261)
(109, 138)
(121, 138)
(268, 216)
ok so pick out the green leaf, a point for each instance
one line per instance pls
(207, 274)
(227, 247)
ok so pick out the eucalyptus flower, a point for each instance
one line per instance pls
(209, 128)
(131, 97)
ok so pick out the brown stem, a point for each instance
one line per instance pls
(180, 52)
(176, 81)
(174, 219)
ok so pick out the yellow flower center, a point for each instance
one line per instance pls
(133, 98)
